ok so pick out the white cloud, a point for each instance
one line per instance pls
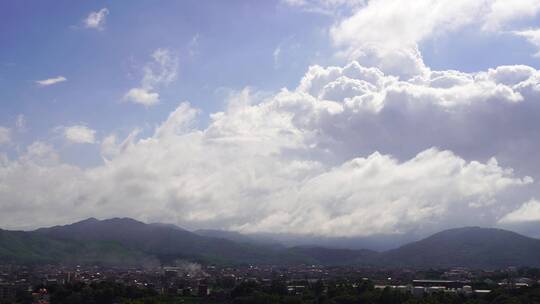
(142, 96)
(386, 33)
(242, 177)
(50, 188)
(5, 135)
(356, 110)
(295, 2)
(532, 36)
(378, 194)
(304, 160)
(528, 212)
(80, 134)
(96, 20)
(178, 121)
(503, 12)
(110, 148)
(40, 154)
(328, 7)
(51, 81)
(161, 71)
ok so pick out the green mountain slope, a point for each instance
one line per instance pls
(168, 243)
(25, 247)
(126, 241)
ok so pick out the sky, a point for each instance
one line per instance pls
(317, 117)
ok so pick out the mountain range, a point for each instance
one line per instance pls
(124, 241)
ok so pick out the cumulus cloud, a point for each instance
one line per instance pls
(142, 96)
(50, 187)
(363, 110)
(384, 34)
(378, 194)
(96, 20)
(50, 81)
(110, 147)
(528, 212)
(80, 134)
(178, 122)
(5, 135)
(161, 71)
(350, 151)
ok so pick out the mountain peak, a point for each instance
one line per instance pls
(89, 220)
(474, 247)
(123, 220)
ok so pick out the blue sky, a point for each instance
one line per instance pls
(221, 46)
(229, 60)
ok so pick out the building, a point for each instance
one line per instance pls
(7, 292)
(439, 283)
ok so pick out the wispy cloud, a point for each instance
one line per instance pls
(5, 135)
(533, 37)
(194, 45)
(326, 7)
(275, 55)
(96, 20)
(160, 71)
(20, 123)
(51, 81)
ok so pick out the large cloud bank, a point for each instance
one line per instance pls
(350, 151)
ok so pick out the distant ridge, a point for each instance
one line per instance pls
(127, 241)
(378, 242)
(468, 246)
(167, 242)
(333, 256)
(238, 237)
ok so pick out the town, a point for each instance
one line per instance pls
(186, 282)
